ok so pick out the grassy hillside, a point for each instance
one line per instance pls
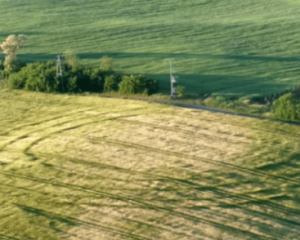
(229, 47)
(92, 168)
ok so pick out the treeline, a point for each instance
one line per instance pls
(41, 76)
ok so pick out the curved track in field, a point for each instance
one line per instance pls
(133, 170)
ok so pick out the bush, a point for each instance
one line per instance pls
(19, 65)
(1, 65)
(41, 76)
(36, 77)
(96, 79)
(81, 79)
(180, 90)
(137, 84)
(111, 83)
(75, 79)
(3, 74)
(152, 86)
(287, 107)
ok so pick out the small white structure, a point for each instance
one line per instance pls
(59, 71)
(173, 80)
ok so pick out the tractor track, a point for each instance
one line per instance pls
(223, 164)
(189, 185)
(138, 202)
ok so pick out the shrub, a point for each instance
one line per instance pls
(42, 77)
(137, 84)
(75, 79)
(1, 65)
(4, 74)
(287, 107)
(38, 76)
(81, 79)
(111, 83)
(19, 65)
(180, 90)
(96, 79)
(152, 86)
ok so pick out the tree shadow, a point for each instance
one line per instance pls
(188, 56)
(5, 35)
(229, 86)
(119, 55)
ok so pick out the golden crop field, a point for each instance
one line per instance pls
(85, 167)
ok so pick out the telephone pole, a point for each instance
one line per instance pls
(173, 80)
(59, 71)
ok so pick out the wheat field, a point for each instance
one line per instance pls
(85, 167)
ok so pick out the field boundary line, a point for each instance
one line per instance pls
(191, 106)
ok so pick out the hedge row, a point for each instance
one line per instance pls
(41, 76)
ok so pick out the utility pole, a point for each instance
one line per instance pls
(59, 71)
(173, 80)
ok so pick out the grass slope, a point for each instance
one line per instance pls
(231, 47)
(74, 167)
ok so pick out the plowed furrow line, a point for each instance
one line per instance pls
(58, 124)
(136, 201)
(71, 128)
(29, 190)
(36, 131)
(223, 164)
(43, 121)
(194, 186)
(39, 101)
(6, 237)
(277, 132)
(191, 134)
(81, 222)
(239, 124)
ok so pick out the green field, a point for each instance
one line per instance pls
(231, 47)
(85, 167)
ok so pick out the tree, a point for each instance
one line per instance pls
(72, 59)
(10, 48)
(106, 63)
(287, 107)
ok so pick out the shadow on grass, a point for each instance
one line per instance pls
(229, 86)
(47, 215)
(188, 56)
(5, 35)
(164, 56)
